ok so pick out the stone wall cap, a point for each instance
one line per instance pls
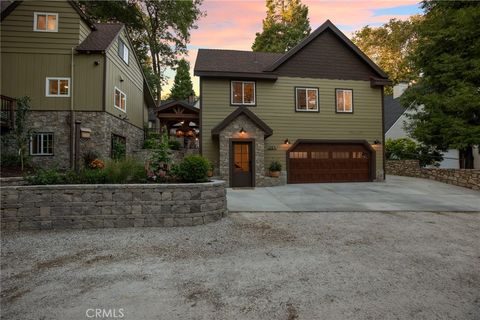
(187, 186)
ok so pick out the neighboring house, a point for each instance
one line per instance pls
(395, 119)
(72, 68)
(316, 109)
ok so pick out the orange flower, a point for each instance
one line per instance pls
(97, 164)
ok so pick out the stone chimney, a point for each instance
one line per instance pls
(399, 89)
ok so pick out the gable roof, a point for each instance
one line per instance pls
(174, 103)
(249, 114)
(214, 62)
(393, 110)
(7, 6)
(327, 25)
(233, 61)
(100, 39)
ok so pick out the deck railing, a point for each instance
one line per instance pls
(7, 112)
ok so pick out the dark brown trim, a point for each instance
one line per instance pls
(252, 116)
(295, 99)
(378, 82)
(336, 106)
(200, 139)
(230, 158)
(236, 75)
(243, 104)
(5, 13)
(383, 133)
(104, 83)
(365, 143)
(327, 25)
(170, 104)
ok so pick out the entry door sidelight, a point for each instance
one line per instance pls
(241, 164)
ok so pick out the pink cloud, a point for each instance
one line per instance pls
(233, 24)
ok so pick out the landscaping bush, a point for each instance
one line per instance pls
(128, 170)
(192, 168)
(151, 143)
(46, 176)
(407, 149)
(275, 166)
(10, 160)
(174, 145)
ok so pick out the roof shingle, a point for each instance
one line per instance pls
(101, 38)
(392, 111)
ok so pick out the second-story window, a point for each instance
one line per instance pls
(306, 99)
(344, 98)
(242, 93)
(123, 50)
(57, 87)
(120, 100)
(45, 22)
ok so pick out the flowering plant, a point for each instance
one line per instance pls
(97, 164)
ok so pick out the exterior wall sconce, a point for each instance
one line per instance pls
(242, 131)
(377, 142)
(286, 141)
(85, 133)
(121, 79)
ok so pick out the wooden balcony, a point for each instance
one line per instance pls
(7, 112)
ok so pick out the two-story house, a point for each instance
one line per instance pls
(317, 109)
(78, 75)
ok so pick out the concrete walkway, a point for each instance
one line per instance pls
(395, 194)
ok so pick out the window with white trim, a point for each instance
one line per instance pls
(41, 144)
(344, 99)
(306, 99)
(120, 100)
(57, 87)
(242, 92)
(45, 22)
(123, 50)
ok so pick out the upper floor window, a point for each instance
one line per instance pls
(120, 100)
(344, 98)
(57, 87)
(306, 99)
(123, 50)
(41, 144)
(45, 22)
(242, 92)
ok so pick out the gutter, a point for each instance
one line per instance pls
(72, 116)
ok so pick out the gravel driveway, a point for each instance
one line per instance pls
(378, 265)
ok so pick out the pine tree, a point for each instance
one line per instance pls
(182, 86)
(285, 25)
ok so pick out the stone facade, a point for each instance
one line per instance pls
(102, 124)
(251, 132)
(468, 178)
(111, 206)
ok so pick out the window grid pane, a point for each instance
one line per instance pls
(312, 99)
(236, 92)
(41, 22)
(301, 99)
(53, 87)
(52, 23)
(248, 93)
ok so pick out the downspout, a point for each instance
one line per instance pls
(72, 117)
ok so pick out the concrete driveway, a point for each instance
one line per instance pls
(395, 194)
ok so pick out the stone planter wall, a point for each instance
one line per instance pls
(468, 178)
(111, 206)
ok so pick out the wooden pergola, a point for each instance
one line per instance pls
(178, 114)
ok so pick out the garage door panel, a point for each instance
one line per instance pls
(310, 163)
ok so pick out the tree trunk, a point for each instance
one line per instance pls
(466, 158)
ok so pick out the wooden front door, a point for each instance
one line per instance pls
(241, 164)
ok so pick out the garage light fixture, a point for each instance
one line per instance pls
(286, 141)
(377, 142)
(242, 131)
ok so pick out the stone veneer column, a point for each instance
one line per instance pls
(252, 132)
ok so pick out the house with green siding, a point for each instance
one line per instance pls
(317, 109)
(83, 78)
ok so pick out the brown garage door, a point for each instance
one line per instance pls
(329, 162)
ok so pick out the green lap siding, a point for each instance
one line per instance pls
(276, 106)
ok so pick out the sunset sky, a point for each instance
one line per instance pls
(232, 24)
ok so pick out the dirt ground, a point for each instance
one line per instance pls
(379, 265)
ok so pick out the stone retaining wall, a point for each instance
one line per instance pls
(111, 206)
(468, 178)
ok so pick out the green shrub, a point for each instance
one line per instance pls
(10, 160)
(151, 144)
(275, 166)
(128, 170)
(174, 145)
(192, 168)
(407, 149)
(91, 176)
(46, 176)
(119, 148)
